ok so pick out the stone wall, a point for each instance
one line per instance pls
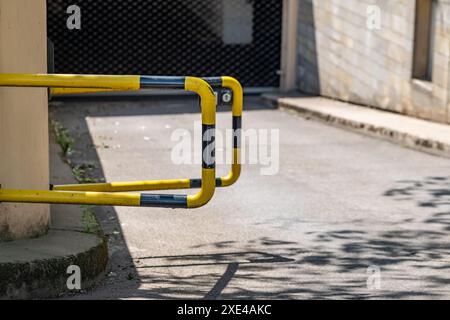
(341, 55)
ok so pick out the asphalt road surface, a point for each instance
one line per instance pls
(347, 216)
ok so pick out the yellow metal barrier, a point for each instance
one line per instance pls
(226, 181)
(123, 83)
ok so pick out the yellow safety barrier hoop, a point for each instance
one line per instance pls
(124, 83)
(154, 185)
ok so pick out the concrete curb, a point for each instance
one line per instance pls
(421, 135)
(37, 268)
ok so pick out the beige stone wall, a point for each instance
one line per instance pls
(24, 156)
(340, 57)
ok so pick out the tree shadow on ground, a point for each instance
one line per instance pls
(413, 260)
(412, 254)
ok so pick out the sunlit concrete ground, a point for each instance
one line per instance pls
(341, 207)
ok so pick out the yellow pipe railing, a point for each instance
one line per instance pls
(123, 83)
(226, 181)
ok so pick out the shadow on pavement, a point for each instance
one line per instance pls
(412, 252)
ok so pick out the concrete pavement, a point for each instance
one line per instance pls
(342, 207)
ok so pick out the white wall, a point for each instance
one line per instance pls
(340, 57)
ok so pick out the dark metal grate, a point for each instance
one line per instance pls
(241, 38)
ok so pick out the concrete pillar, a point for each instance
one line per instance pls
(24, 155)
(289, 46)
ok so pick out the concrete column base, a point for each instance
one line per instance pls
(37, 268)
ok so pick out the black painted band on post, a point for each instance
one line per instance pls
(197, 183)
(214, 82)
(237, 132)
(209, 146)
(152, 82)
(163, 201)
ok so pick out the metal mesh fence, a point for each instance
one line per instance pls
(241, 38)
